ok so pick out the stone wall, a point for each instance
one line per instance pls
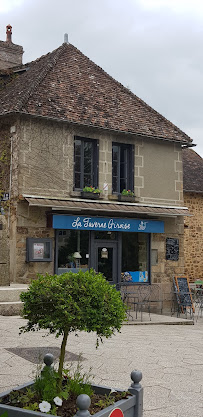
(193, 236)
(46, 162)
(4, 205)
(31, 222)
(165, 270)
(4, 252)
(10, 55)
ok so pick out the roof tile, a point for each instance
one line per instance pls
(66, 85)
(192, 171)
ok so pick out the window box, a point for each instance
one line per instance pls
(89, 195)
(127, 198)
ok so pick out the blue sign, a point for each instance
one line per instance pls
(76, 222)
(135, 276)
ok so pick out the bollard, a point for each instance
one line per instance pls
(83, 402)
(136, 389)
(48, 360)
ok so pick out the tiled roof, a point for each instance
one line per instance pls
(66, 85)
(192, 171)
(108, 208)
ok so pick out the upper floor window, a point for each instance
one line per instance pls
(85, 163)
(122, 167)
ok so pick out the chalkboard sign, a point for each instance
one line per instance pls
(183, 293)
(172, 249)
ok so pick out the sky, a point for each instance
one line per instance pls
(153, 47)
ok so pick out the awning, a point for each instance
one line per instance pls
(106, 207)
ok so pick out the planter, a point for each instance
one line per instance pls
(89, 195)
(127, 198)
(132, 406)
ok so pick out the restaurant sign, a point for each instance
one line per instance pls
(107, 224)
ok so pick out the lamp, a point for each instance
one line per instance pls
(77, 258)
(77, 255)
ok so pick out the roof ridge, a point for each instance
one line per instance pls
(54, 55)
(127, 90)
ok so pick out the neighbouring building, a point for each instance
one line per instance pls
(66, 124)
(193, 199)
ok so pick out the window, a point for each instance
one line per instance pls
(122, 167)
(85, 163)
(73, 250)
(135, 257)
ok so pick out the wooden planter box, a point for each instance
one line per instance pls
(89, 195)
(131, 407)
(127, 198)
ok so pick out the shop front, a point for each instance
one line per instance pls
(117, 247)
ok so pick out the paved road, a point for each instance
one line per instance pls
(170, 357)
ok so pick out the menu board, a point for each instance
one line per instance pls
(183, 292)
(172, 249)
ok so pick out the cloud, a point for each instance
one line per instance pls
(152, 46)
(8, 5)
(177, 6)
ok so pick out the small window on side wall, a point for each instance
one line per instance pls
(39, 250)
(122, 167)
(85, 163)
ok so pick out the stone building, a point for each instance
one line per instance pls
(193, 199)
(70, 125)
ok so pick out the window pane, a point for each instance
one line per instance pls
(77, 163)
(69, 242)
(114, 184)
(122, 170)
(134, 257)
(123, 185)
(85, 163)
(77, 180)
(77, 160)
(87, 180)
(88, 164)
(115, 156)
(77, 147)
(87, 149)
(105, 265)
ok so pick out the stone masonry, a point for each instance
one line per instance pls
(193, 236)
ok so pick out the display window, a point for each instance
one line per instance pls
(118, 256)
(135, 264)
(72, 250)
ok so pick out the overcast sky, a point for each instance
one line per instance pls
(154, 47)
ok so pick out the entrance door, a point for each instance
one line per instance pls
(105, 259)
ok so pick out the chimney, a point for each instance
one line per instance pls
(8, 33)
(10, 54)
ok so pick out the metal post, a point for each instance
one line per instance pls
(83, 402)
(137, 390)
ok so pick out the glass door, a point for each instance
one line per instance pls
(105, 259)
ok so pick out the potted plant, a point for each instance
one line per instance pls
(127, 195)
(82, 301)
(90, 192)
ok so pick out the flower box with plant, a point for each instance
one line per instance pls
(127, 195)
(90, 192)
(66, 400)
(70, 302)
